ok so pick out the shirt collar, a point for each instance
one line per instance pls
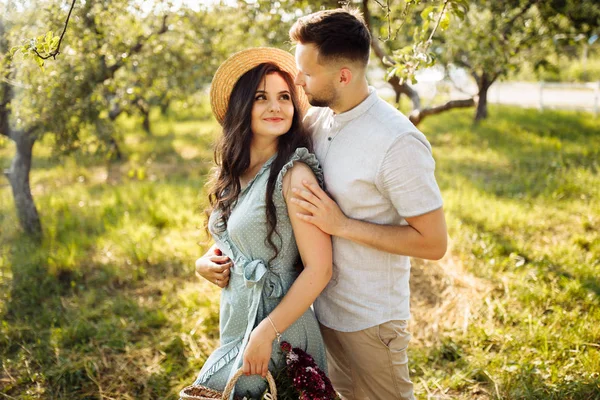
(360, 109)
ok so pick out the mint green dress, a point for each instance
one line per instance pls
(256, 286)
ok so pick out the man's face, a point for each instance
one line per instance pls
(318, 81)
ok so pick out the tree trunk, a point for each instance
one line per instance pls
(145, 110)
(146, 123)
(114, 150)
(18, 176)
(483, 85)
(164, 107)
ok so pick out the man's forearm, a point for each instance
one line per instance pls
(404, 240)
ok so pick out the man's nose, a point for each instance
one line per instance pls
(299, 79)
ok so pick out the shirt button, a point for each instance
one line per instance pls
(329, 138)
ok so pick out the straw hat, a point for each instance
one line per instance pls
(238, 64)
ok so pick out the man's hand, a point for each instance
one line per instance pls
(321, 210)
(214, 267)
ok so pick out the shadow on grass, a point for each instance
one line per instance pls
(563, 125)
(526, 180)
(84, 330)
(502, 247)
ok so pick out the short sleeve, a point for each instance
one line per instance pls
(406, 176)
(300, 155)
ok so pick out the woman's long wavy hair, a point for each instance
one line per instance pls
(232, 153)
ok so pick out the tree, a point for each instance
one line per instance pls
(489, 39)
(118, 57)
(495, 38)
(68, 97)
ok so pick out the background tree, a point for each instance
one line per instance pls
(66, 101)
(489, 39)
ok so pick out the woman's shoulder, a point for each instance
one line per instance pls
(304, 164)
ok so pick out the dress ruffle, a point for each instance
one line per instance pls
(220, 363)
(303, 155)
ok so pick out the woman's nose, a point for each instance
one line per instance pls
(274, 106)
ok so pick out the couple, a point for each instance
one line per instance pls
(269, 211)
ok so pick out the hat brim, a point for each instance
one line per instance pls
(241, 62)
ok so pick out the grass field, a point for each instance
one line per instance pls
(108, 307)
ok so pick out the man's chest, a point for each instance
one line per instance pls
(350, 167)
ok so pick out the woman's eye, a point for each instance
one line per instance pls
(260, 97)
(285, 97)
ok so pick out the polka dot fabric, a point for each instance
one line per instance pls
(257, 286)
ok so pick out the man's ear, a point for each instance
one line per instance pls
(345, 76)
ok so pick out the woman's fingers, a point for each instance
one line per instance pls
(219, 259)
(222, 283)
(221, 275)
(265, 369)
(254, 368)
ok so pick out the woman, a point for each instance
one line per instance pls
(264, 151)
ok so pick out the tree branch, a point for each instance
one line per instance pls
(518, 15)
(137, 47)
(374, 43)
(387, 61)
(57, 51)
(416, 116)
(438, 21)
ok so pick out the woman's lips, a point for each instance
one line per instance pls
(274, 119)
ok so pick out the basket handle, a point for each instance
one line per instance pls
(231, 385)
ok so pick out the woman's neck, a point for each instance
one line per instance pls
(261, 150)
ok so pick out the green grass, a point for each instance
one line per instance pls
(521, 195)
(108, 305)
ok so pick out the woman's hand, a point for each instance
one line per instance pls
(214, 267)
(258, 351)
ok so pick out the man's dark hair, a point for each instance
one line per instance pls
(339, 33)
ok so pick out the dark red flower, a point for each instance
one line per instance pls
(286, 347)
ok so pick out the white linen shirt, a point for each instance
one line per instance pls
(379, 168)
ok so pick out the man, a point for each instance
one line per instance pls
(379, 170)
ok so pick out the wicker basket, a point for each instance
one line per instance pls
(199, 392)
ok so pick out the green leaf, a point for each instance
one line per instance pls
(445, 21)
(425, 25)
(39, 62)
(427, 12)
(459, 13)
(391, 73)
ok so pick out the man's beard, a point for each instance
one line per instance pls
(319, 103)
(328, 99)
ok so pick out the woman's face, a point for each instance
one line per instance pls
(273, 110)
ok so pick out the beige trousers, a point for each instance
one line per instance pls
(371, 364)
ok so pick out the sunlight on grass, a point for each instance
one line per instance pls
(108, 304)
